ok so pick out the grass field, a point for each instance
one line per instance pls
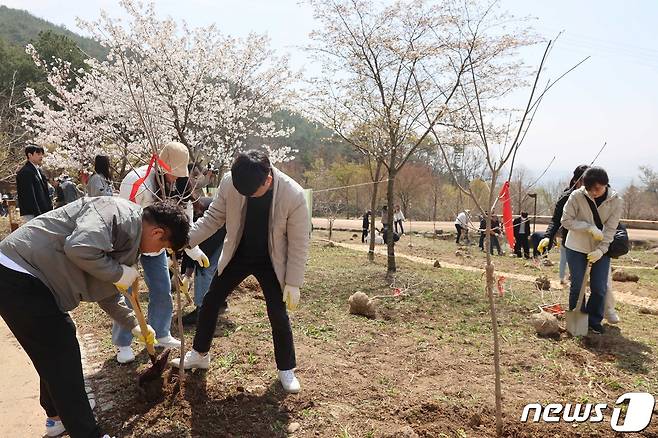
(423, 366)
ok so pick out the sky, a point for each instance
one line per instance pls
(611, 98)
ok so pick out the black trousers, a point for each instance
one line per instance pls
(522, 242)
(221, 287)
(364, 234)
(459, 229)
(398, 223)
(48, 337)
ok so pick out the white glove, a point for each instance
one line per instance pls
(594, 256)
(127, 279)
(197, 255)
(150, 335)
(596, 234)
(291, 297)
(543, 244)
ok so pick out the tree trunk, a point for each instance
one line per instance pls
(492, 309)
(389, 200)
(373, 208)
(124, 161)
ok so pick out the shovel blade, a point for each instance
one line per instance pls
(577, 323)
(156, 369)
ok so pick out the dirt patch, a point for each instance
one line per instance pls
(424, 366)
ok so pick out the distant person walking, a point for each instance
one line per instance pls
(100, 183)
(461, 225)
(398, 218)
(365, 231)
(32, 185)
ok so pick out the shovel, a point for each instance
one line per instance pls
(158, 364)
(577, 320)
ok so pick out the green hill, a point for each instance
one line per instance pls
(19, 27)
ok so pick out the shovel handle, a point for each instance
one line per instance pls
(132, 297)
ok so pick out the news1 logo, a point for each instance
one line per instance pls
(638, 412)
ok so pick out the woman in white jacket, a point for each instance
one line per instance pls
(586, 243)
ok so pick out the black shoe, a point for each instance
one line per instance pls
(191, 318)
(597, 329)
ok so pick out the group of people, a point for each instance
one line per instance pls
(87, 250)
(36, 195)
(398, 220)
(586, 218)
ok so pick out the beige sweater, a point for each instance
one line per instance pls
(289, 226)
(578, 219)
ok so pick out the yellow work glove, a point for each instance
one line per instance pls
(543, 244)
(594, 256)
(291, 297)
(596, 234)
(127, 279)
(197, 255)
(150, 335)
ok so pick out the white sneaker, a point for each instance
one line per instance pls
(611, 316)
(54, 427)
(167, 342)
(193, 360)
(125, 354)
(289, 381)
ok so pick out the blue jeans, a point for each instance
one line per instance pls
(563, 262)
(598, 284)
(160, 307)
(203, 276)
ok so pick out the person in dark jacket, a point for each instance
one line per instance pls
(32, 185)
(365, 226)
(495, 232)
(521, 233)
(69, 190)
(555, 227)
(483, 227)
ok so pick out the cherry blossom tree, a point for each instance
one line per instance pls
(161, 81)
(387, 66)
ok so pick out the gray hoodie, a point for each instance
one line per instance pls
(77, 252)
(578, 219)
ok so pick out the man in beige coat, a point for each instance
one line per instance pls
(267, 236)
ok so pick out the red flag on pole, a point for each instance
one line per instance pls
(507, 213)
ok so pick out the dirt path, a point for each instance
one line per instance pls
(355, 225)
(20, 412)
(622, 297)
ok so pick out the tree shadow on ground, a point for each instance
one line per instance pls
(630, 355)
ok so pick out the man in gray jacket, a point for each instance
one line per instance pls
(83, 251)
(267, 235)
